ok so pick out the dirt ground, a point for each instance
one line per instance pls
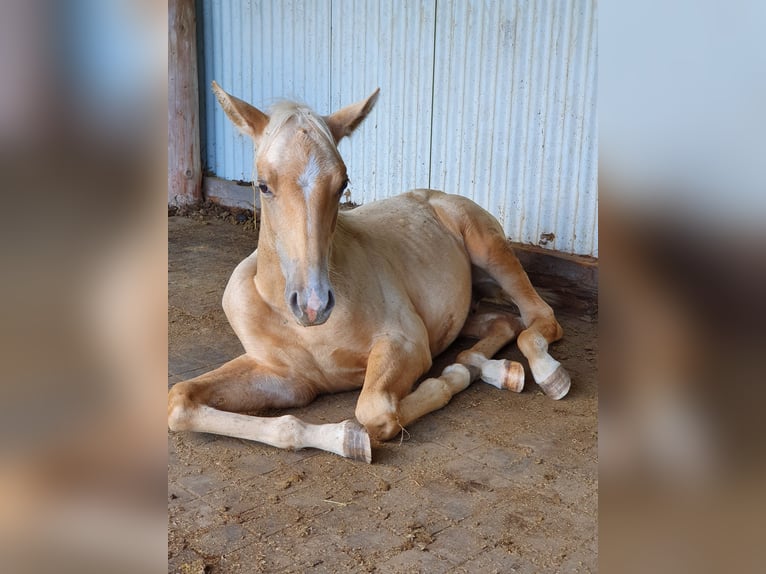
(493, 482)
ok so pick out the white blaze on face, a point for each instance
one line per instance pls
(307, 181)
(312, 306)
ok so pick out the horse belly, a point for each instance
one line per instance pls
(440, 288)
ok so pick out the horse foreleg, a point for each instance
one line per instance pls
(386, 404)
(206, 404)
(394, 365)
(496, 330)
(347, 438)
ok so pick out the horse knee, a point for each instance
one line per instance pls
(379, 415)
(180, 407)
(383, 428)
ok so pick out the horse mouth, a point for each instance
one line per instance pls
(313, 319)
(308, 322)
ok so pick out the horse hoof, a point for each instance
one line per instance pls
(356, 442)
(503, 374)
(556, 386)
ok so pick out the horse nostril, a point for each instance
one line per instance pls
(330, 300)
(294, 304)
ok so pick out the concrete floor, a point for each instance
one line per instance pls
(494, 482)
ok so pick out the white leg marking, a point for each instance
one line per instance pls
(433, 394)
(500, 373)
(286, 432)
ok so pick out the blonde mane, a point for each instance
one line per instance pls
(283, 112)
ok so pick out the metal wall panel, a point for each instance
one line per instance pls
(388, 45)
(494, 100)
(260, 51)
(515, 119)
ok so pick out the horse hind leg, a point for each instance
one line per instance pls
(489, 250)
(208, 403)
(494, 330)
(541, 325)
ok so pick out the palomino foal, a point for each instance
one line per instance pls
(333, 301)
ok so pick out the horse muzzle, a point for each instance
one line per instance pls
(312, 306)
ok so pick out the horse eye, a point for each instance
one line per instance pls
(342, 189)
(264, 189)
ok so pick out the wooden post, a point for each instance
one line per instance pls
(184, 162)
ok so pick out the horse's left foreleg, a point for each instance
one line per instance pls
(495, 331)
(386, 404)
(394, 365)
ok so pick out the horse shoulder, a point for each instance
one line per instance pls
(240, 286)
(249, 315)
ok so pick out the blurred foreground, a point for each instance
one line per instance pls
(683, 277)
(83, 253)
(681, 454)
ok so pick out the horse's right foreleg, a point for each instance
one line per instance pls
(212, 402)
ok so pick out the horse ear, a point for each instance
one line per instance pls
(248, 119)
(346, 120)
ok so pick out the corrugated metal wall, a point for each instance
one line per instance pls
(492, 100)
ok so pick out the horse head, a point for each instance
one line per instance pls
(301, 179)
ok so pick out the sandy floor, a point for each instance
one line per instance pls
(494, 482)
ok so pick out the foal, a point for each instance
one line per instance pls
(334, 301)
